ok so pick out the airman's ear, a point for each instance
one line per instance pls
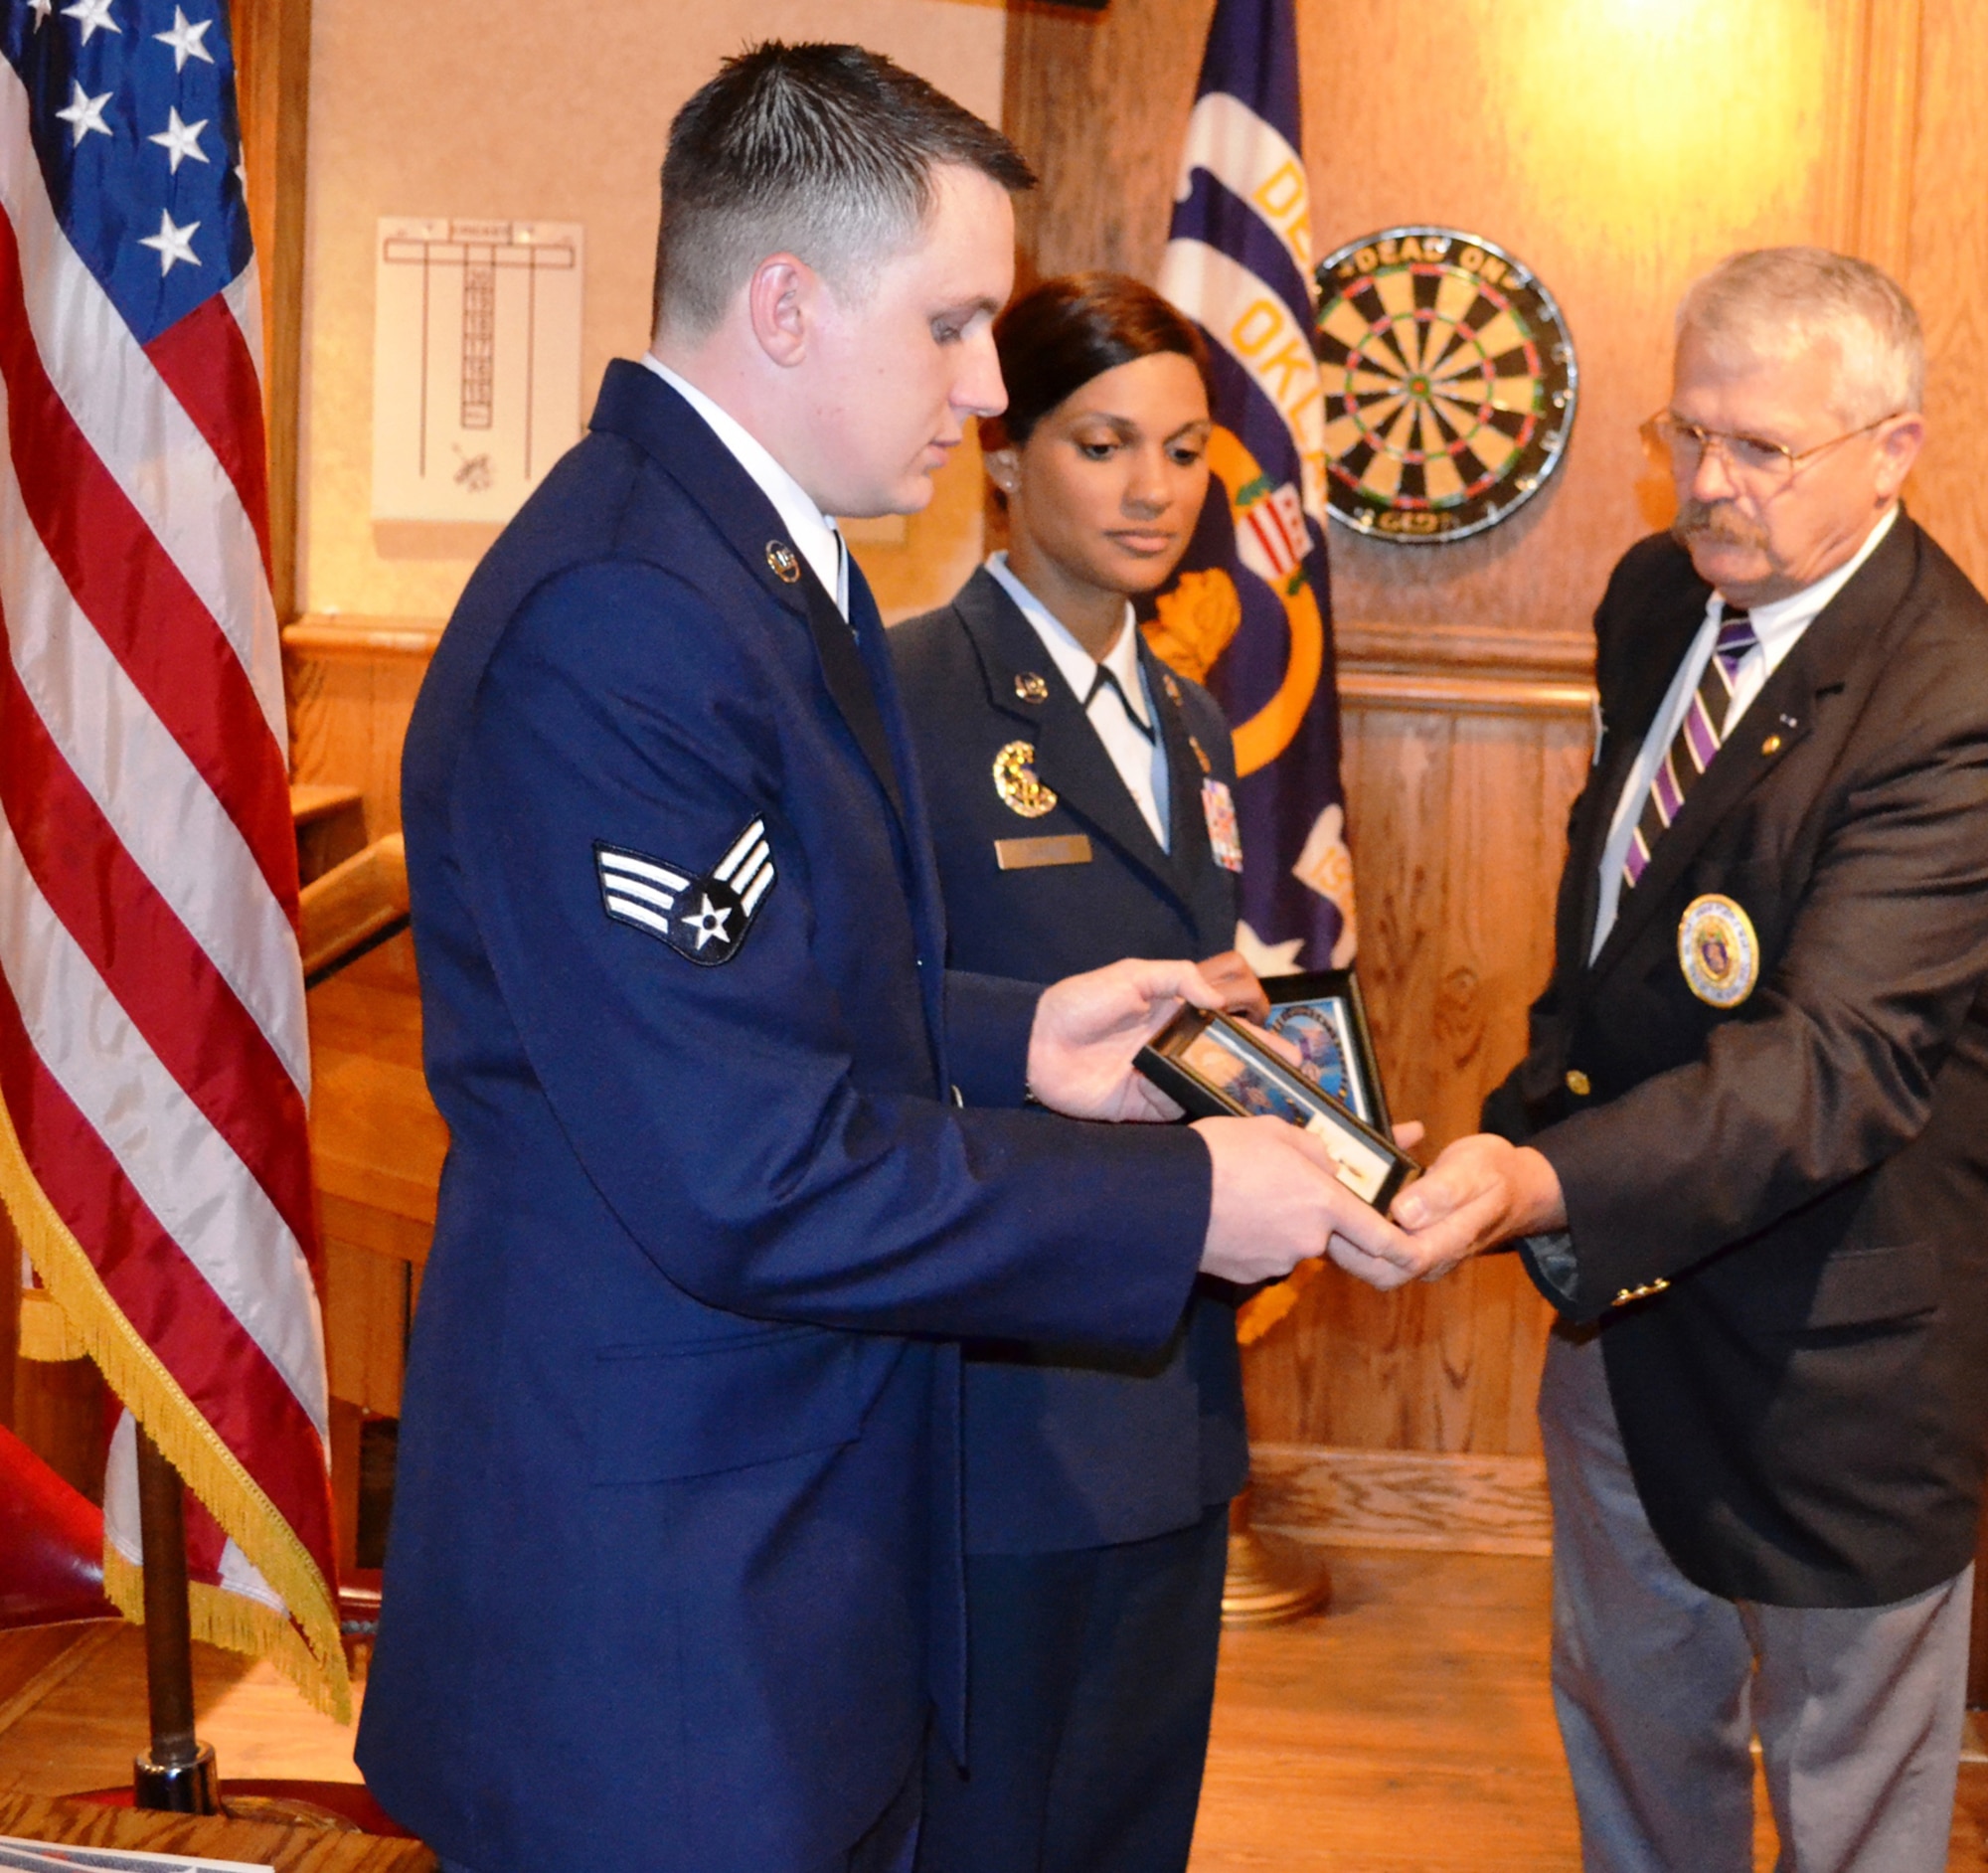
(779, 301)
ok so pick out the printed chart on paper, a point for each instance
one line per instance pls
(475, 364)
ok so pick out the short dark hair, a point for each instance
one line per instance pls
(822, 151)
(1061, 334)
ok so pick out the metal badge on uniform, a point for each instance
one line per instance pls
(1717, 950)
(787, 568)
(1030, 688)
(1218, 806)
(1015, 781)
(704, 917)
(1171, 688)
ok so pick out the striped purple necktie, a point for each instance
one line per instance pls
(1696, 741)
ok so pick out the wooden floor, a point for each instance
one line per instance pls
(1408, 1730)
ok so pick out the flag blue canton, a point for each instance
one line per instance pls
(1249, 613)
(131, 114)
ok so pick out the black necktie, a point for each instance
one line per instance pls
(1105, 680)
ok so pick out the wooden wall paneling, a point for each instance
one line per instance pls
(1097, 102)
(272, 41)
(352, 689)
(1879, 116)
(1457, 834)
(1948, 264)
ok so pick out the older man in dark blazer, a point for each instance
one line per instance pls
(1747, 1151)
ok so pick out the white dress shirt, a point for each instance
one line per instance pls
(1778, 626)
(1124, 718)
(815, 537)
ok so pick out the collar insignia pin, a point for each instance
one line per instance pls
(1030, 688)
(782, 563)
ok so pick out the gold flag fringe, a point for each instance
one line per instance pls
(1261, 1312)
(304, 1645)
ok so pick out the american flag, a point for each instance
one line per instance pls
(154, 1064)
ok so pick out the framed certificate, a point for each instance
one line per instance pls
(1214, 1067)
(1322, 1016)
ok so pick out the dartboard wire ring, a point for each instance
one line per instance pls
(1420, 390)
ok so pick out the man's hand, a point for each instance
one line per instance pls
(1236, 984)
(1088, 1028)
(1480, 1192)
(1278, 1200)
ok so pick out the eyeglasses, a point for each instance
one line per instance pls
(1767, 465)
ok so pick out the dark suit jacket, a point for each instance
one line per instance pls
(1066, 1449)
(675, 1559)
(1805, 1404)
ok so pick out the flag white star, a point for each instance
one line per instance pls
(185, 39)
(91, 15)
(41, 10)
(173, 243)
(84, 114)
(179, 140)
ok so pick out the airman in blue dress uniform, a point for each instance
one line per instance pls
(674, 1579)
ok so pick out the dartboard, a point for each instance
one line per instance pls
(1449, 384)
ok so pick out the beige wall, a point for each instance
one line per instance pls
(517, 109)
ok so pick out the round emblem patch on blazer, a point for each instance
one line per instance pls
(1717, 950)
(1015, 781)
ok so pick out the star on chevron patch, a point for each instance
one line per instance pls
(704, 917)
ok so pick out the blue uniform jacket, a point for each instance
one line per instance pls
(1068, 1449)
(674, 1571)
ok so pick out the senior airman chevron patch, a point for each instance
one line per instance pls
(704, 917)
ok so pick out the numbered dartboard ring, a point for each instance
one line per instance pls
(1449, 384)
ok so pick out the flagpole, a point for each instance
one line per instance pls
(177, 1774)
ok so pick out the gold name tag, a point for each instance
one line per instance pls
(1022, 855)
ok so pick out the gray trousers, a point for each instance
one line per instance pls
(1659, 1686)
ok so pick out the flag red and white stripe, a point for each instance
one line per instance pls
(154, 1061)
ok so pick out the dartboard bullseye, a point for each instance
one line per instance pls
(1449, 384)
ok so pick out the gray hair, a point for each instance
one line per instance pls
(822, 151)
(1775, 301)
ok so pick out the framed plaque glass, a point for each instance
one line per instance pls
(1322, 1016)
(1214, 1067)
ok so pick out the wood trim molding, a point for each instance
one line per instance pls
(1463, 648)
(272, 87)
(323, 637)
(1452, 1501)
(1462, 695)
(1446, 668)
(1463, 669)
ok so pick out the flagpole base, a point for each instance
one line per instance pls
(1265, 1585)
(177, 1787)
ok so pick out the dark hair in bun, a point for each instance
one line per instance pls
(1057, 336)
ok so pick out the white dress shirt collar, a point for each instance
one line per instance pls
(1079, 666)
(815, 537)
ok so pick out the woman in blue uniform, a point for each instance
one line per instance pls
(1079, 793)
